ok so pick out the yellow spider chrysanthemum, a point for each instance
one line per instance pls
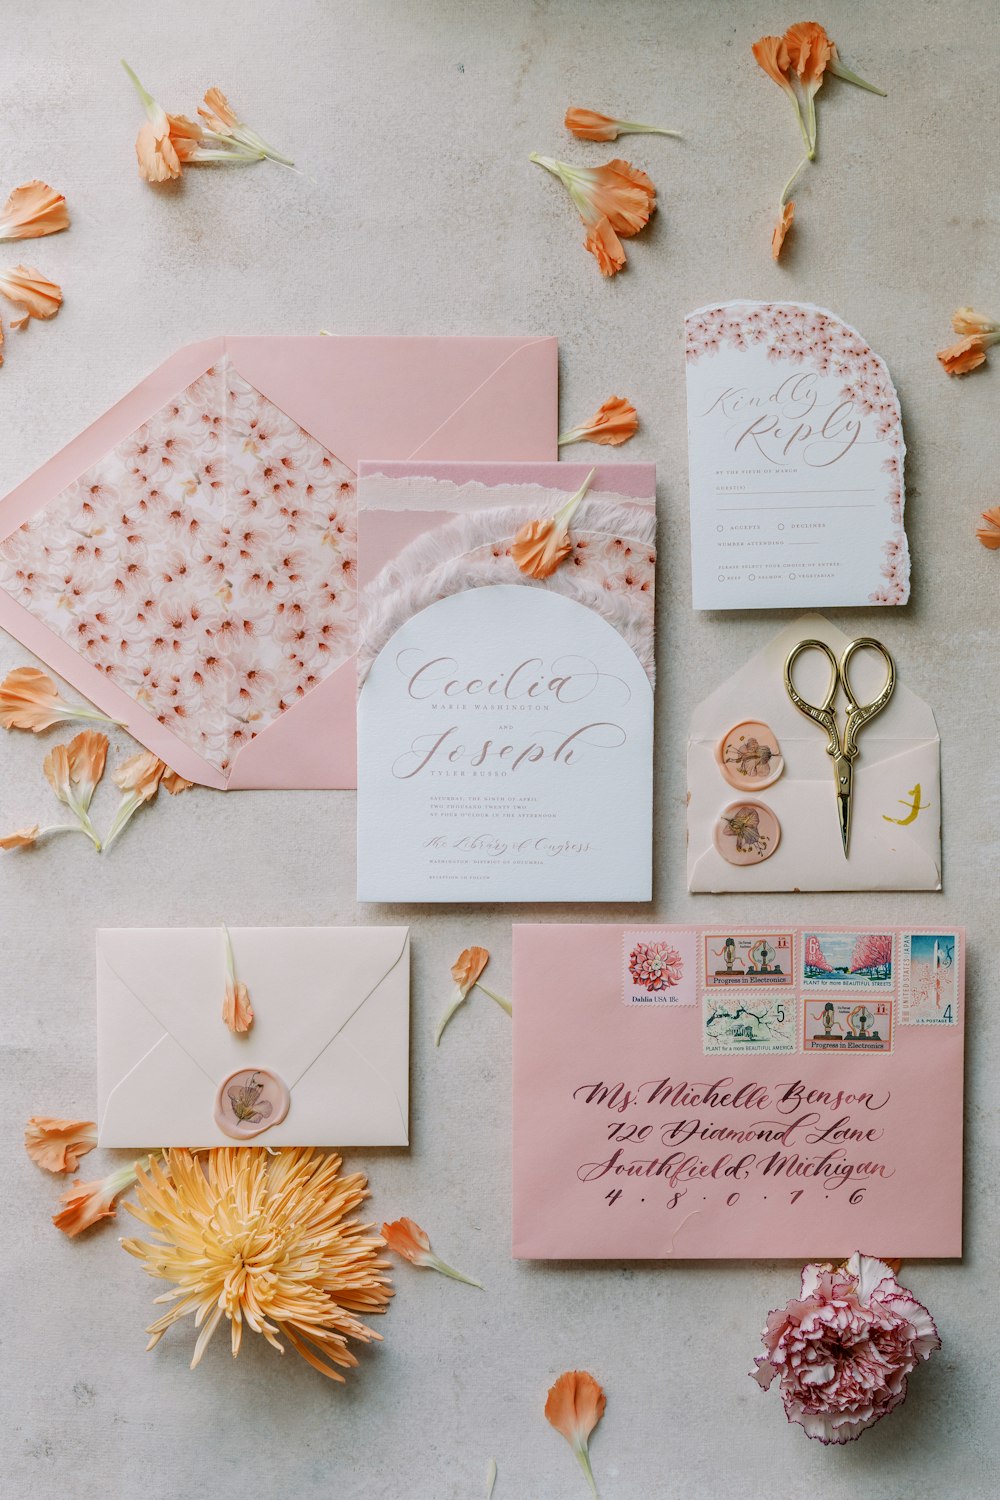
(260, 1237)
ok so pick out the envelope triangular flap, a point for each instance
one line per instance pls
(907, 716)
(305, 984)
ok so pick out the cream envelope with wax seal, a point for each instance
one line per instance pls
(188, 563)
(895, 839)
(331, 1026)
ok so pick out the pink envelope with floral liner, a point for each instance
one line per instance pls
(188, 563)
(711, 1092)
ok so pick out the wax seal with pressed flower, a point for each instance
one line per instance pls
(746, 833)
(749, 756)
(250, 1101)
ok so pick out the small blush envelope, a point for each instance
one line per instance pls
(895, 842)
(188, 563)
(708, 1093)
(505, 723)
(330, 1034)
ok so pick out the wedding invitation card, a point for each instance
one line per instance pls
(505, 721)
(716, 1092)
(795, 461)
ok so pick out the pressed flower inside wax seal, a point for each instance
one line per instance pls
(748, 755)
(250, 1101)
(747, 833)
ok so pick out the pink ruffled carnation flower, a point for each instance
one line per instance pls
(843, 1352)
(656, 966)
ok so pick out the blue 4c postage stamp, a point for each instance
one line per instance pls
(930, 966)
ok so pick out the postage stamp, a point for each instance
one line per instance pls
(847, 1025)
(763, 1022)
(848, 961)
(929, 979)
(660, 967)
(749, 960)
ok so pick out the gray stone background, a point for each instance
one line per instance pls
(420, 213)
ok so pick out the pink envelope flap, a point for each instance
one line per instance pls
(439, 396)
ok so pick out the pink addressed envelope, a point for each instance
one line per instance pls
(716, 1092)
(188, 563)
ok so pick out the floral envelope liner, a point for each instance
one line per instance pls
(610, 568)
(207, 564)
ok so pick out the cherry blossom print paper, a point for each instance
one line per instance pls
(207, 564)
(795, 461)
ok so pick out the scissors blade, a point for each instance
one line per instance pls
(843, 771)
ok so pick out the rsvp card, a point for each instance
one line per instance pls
(505, 722)
(795, 461)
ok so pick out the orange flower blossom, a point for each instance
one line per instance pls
(262, 1239)
(407, 1239)
(57, 1145)
(589, 125)
(978, 332)
(613, 423)
(223, 124)
(574, 1406)
(32, 210)
(167, 143)
(614, 201)
(540, 546)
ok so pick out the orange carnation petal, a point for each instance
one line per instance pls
(965, 321)
(468, 966)
(539, 548)
(968, 354)
(32, 210)
(782, 227)
(809, 51)
(21, 838)
(174, 783)
(28, 700)
(217, 112)
(57, 1145)
(237, 1012)
(156, 154)
(612, 424)
(574, 1406)
(989, 534)
(771, 53)
(406, 1238)
(589, 125)
(29, 288)
(606, 248)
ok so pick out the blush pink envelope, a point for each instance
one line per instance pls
(188, 563)
(681, 1092)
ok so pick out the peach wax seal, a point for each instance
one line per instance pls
(746, 833)
(250, 1101)
(748, 755)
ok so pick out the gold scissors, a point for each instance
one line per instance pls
(843, 751)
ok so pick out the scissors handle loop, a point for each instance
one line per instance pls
(858, 714)
(821, 713)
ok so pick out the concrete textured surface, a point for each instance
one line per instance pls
(421, 213)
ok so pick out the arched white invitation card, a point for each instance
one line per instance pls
(505, 712)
